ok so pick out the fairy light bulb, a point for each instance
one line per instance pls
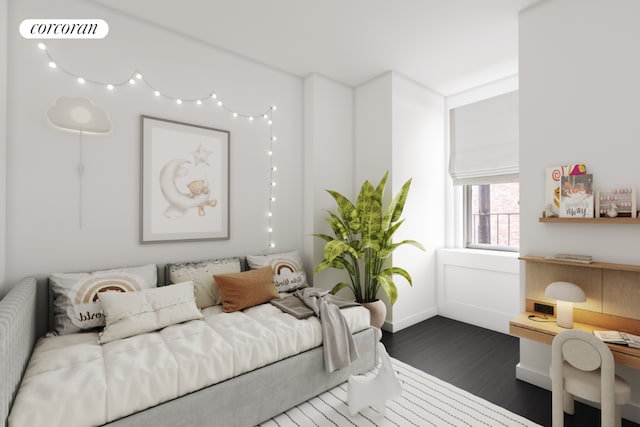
(199, 102)
(156, 93)
(132, 81)
(273, 183)
(250, 118)
(272, 245)
(81, 80)
(179, 101)
(270, 230)
(274, 108)
(52, 65)
(235, 114)
(214, 96)
(110, 86)
(42, 46)
(269, 214)
(219, 103)
(138, 76)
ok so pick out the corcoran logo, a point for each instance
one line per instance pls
(64, 28)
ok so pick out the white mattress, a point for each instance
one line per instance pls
(73, 380)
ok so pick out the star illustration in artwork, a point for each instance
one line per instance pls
(201, 156)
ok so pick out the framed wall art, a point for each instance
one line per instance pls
(185, 181)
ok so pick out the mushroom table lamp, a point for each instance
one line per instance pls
(565, 294)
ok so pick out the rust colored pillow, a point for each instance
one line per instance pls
(246, 289)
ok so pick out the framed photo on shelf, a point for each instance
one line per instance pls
(184, 181)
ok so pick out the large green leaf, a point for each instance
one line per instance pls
(399, 271)
(324, 237)
(336, 248)
(386, 282)
(347, 211)
(340, 286)
(394, 210)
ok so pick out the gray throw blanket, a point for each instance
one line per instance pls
(339, 346)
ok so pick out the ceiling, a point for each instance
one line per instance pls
(446, 45)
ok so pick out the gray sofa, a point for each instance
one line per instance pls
(245, 400)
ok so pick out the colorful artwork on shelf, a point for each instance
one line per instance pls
(554, 175)
(576, 196)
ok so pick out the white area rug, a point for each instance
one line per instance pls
(425, 401)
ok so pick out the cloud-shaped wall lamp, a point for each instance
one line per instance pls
(79, 115)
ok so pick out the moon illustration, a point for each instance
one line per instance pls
(170, 191)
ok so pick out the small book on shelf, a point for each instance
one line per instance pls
(616, 337)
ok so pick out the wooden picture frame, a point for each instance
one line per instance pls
(184, 181)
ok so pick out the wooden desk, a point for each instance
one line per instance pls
(544, 332)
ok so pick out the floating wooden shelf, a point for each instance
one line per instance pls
(601, 265)
(617, 220)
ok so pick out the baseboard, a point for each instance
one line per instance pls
(630, 411)
(480, 316)
(395, 326)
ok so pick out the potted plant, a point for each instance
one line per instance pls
(363, 241)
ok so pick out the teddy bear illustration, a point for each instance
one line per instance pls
(198, 187)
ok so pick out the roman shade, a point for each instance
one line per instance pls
(484, 141)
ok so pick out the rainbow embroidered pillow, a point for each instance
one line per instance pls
(76, 305)
(288, 273)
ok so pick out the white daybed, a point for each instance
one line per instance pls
(228, 369)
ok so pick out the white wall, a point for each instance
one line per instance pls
(417, 151)
(579, 92)
(474, 286)
(479, 287)
(328, 164)
(399, 127)
(4, 12)
(42, 201)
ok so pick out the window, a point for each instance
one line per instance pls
(492, 216)
(484, 161)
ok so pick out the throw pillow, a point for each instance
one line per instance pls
(135, 313)
(76, 306)
(246, 289)
(201, 273)
(288, 273)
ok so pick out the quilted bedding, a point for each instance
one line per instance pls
(72, 380)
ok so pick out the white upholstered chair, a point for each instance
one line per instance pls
(583, 366)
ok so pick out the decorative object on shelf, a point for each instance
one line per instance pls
(363, 241)
(617, 203)
(554, 175)
(185, 181)
(565, 294)
(363, 391)
(576, 196)
(79, 115)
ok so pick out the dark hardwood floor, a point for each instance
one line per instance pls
(482, 362)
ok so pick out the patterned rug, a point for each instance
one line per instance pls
(425, 401)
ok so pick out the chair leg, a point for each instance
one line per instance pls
(557, 413)
(618, 416)
(569, 406)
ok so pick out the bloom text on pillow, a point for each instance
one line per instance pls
(76, 305)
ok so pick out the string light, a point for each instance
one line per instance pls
(138, 76)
